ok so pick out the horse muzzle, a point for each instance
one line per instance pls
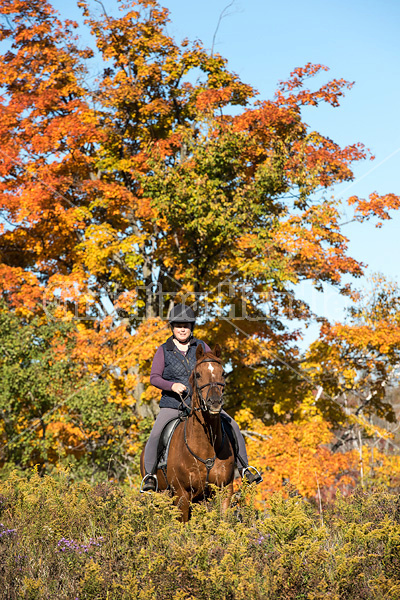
(214, 405)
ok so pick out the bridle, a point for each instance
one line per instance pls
(210, 385)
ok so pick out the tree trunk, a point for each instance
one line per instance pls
(142, 410)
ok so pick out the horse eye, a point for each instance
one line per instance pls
(223, 373)
(198, 375)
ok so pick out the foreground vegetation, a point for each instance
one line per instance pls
(67, 540)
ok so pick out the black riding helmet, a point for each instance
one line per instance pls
(181, 313)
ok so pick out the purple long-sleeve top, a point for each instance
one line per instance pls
(157, 369)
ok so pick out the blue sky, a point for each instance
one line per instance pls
(359, 41)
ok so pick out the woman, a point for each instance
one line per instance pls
(172, 365)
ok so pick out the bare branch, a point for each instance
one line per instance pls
(221, 16)
(254, 434)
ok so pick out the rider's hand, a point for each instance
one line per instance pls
(178, 388)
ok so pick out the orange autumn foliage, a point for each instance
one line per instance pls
(296, 455)
(356, 361)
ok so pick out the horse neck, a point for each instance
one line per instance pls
(202, 427)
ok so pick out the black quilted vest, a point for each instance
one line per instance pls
(177, 368)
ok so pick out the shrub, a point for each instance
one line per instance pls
(66, 540)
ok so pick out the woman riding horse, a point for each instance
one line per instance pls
(172, 365)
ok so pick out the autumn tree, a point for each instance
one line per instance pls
(122, 194)
(296, 458)
(356, 362)
(53, 412)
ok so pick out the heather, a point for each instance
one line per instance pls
(61, 539)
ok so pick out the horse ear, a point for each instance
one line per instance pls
(217, 351)
(199, 351)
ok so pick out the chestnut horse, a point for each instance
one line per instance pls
(200, 451)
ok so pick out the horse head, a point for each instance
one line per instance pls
(208, 380)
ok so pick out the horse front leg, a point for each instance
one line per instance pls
(183, 503)
(227, 500)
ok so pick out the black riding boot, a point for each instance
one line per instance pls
(149, 483)
(251, 475)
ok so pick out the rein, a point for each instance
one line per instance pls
(189, 408)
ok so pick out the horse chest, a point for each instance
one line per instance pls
(220, 474)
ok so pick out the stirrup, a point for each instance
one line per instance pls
(149, 484)
(251, 475)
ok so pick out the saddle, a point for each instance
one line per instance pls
(165, 441)
(168, 432)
